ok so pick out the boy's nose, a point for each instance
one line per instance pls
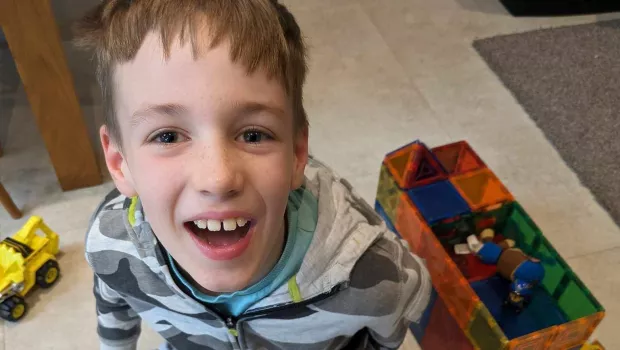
(217, 175)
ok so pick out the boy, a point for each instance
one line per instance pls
(223, 233)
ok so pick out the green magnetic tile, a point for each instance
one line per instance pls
(575, 302)
(554, 271)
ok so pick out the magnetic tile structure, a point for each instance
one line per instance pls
(434, 198)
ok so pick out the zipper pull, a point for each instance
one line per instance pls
(232, 327)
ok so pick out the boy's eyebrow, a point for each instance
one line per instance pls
(249, 107)
(174, 109)
(171, 109)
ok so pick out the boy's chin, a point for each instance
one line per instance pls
(218, 282)
(221, 288)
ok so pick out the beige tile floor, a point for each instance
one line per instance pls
(383, 72)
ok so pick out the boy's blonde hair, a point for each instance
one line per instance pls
(262, 34)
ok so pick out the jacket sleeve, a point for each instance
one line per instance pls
(414, 297)
(118, 325)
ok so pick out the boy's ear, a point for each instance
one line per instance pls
(116, 163)
(301, 158)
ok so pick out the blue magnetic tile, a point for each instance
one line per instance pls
(418, 328)
(438, 201)
(379, 209)
(543, 312)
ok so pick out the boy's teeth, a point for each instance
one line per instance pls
(201, 224)
(214, 225)
(230, 224)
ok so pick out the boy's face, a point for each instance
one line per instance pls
(206, 144)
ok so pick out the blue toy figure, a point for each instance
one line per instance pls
(524, 271)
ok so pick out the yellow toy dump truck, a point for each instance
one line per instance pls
(27, 258)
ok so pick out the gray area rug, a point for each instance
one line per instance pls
(568, 80)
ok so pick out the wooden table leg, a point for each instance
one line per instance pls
(8, 203)
(34, 40)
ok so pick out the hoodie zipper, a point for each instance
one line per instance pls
(232, 322)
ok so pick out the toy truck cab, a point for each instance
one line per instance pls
(26, 258)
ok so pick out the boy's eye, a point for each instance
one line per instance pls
(255, 136)
(167, 137)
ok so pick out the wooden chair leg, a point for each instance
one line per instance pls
(32, 34)
(8, 204)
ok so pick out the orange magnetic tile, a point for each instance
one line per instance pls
(450, 284)
(442, 332)
(459, 299)
(448, 155)
(445, 275)
(481, 189)
(534, 341)
(458, 158)
(414, 165)
(397, 163)
(423, 169)
(574, 333)
(435, 257)
(469, 161)
(410, 224)
(596, 319)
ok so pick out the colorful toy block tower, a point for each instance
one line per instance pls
(434, 199)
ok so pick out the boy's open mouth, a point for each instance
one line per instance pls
(219, 233)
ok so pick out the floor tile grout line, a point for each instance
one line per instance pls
(410, 78)
(592, 253)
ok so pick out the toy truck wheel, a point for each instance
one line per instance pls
(48, 274)
(13, 309)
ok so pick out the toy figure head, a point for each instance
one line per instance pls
(521, 287)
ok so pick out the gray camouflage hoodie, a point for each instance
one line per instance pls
(358, 286)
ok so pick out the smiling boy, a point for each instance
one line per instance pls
(222, 232)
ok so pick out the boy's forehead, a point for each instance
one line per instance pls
(152, 49)
(151, 78)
